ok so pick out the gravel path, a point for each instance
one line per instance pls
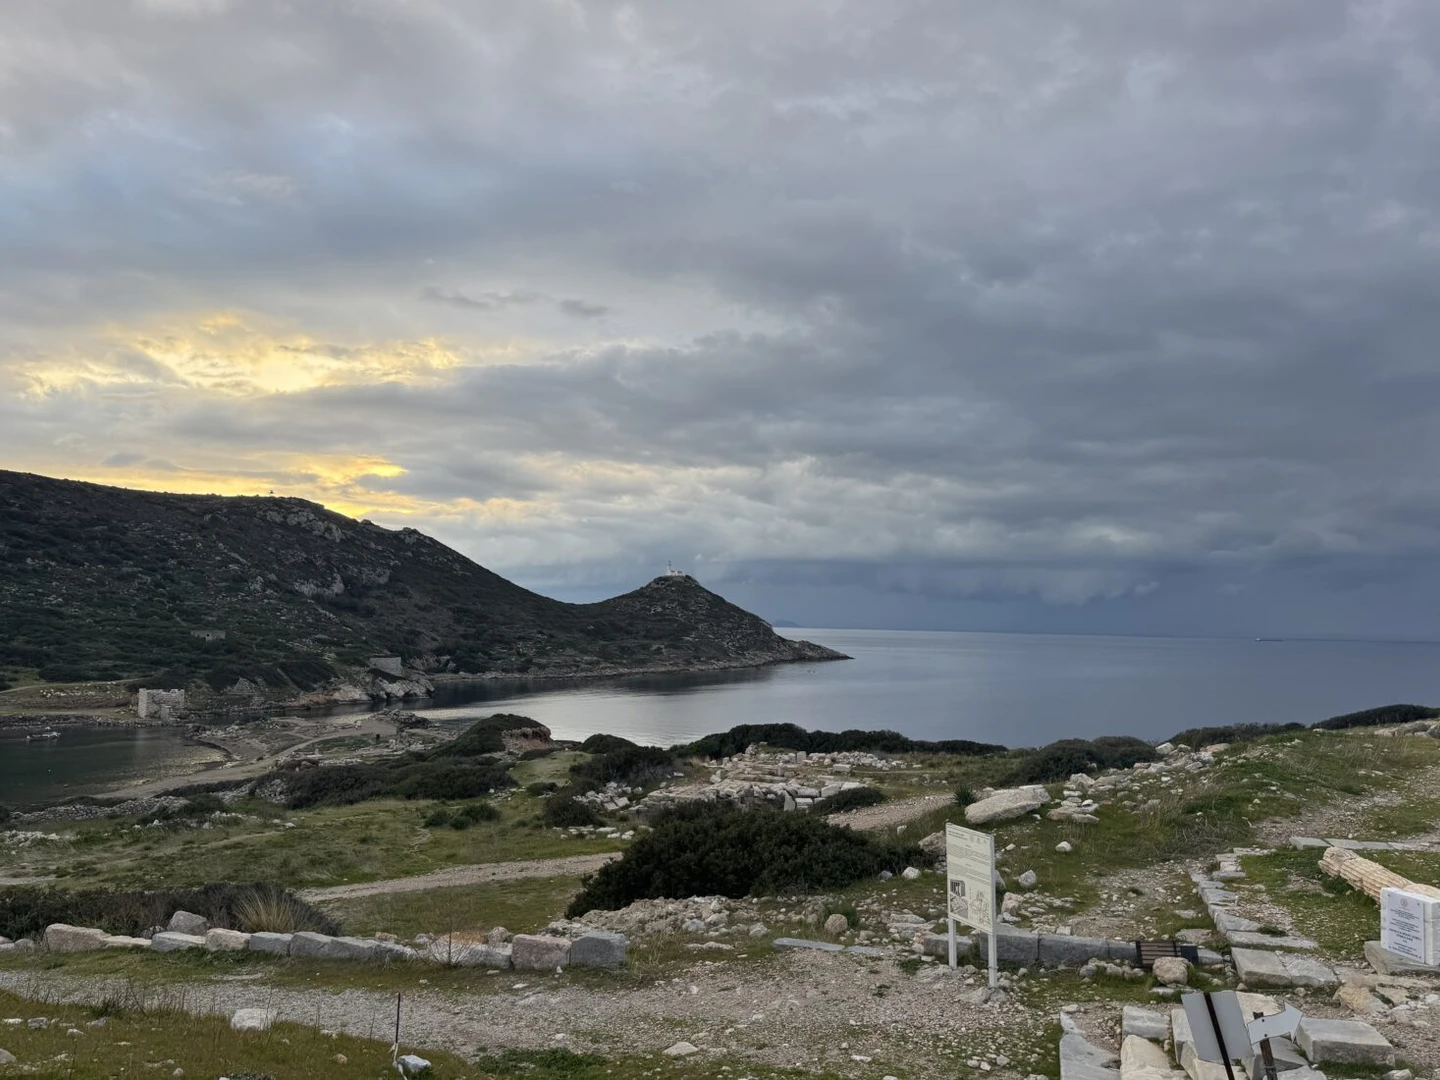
(810, 1010)
(473, 874)
(891, 815)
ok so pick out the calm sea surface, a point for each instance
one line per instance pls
(1015, 689)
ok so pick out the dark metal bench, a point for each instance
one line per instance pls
(1147, 952)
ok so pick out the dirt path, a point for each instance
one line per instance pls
(474, 874)
(808, 1009)
(891, 815)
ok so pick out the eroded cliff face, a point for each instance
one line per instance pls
(104, 582)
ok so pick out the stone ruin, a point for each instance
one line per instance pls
(159, 704)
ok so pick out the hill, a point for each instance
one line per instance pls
(107, 583)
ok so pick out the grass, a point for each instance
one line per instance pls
(327, 846)
(138, 1040)
(1339, 918)
(521, 906)
(144, 1039)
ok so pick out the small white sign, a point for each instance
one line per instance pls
(1408, 925)
(970, 876)
(1221, 1036)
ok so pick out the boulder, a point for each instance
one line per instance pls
(252, 1019)
(1137, 1053)
(1347, 1042)
(1172, 971)
(682, 1049)
(6, 1057)
(1028, 880)
(169, 941)
(186, 922)
(498, 936)
(837, 924)
(1006, 804)
(1358, 999)
(306, 943)
(275, 944)
(411, 1064)
(539, 952)
(218, 940)
(910, 873)
(62, 937)
(600, 949)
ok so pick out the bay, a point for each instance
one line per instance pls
(1013, 689)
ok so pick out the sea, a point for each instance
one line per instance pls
(1013, 689)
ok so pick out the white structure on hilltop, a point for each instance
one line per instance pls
(670, 570)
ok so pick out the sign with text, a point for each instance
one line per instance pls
(1408, 925)
(970, 877)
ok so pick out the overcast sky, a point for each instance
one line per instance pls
(1099, 316)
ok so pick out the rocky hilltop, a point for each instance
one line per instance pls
(108, 583)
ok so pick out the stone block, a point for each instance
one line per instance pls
(1269, 941)
(1256, 967)
(598, 949)
(1139, 1055)
(1390, 963)
(62, 937)
(938, 946)
(186, 922)
(218, 940)
(169, 941)
(120, 941)
(1144, 1023)
(275, 944)
(1346, 1042)
(1063, 950)
(1300, 843)
(386, 951)
(1011, 946)
(307, 943)
(350, 948)
(1083, 1060)
(1227, 922)
(539, 952)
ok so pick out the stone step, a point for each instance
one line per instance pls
(1346, 1042)
(1257, 967)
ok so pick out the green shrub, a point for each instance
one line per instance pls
(793, 737)
(852, 799)
(1060, 760)
(461, 818)
(707, 850)
(1385, 714)
(565, 811)
(964, 796)
(405, 778)
(482, 737)
(1231, 733)
(629, 766)
(538, 752)
(604, 744)
(26, 910)
(542, 787)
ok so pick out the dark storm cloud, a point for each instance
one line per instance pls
(1125, 306)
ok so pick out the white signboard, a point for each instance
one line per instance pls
(1229, 1020)
(1408, 925)
(970, 876)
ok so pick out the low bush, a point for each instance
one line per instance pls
(793, 737)
(541, 788)
(25, 911)
(1385, 714)
(964, 796)
(462, 817)
(1060, 760)
(630, 766)
(604, 744)
(708, 850)
(1230, 733)
(5, 813)
(538, 752)
(482, 737)
(564, 811)
(852, 799)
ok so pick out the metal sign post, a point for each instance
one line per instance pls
(1221, 1034)
(970, 887)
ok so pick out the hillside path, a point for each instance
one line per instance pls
(472, 874)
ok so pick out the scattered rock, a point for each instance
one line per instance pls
(1007, 804)
(910, 873)
(1028, 880)
(682, 1049)
(1172, 971)
(598, 949)
(411, 1064)
(837, 924)
(252, 1019)
(1064, 847)
(186, 922)
(226, 941)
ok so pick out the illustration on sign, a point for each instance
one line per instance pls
(970, 876)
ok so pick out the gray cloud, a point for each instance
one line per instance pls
(1118, 320)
